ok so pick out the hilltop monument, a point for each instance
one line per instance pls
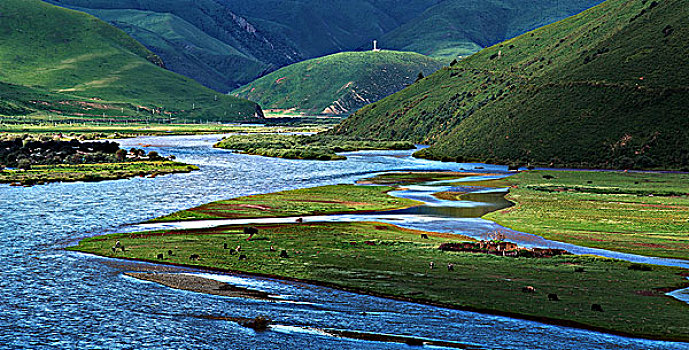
(375, 46)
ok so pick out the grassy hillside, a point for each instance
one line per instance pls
(338, 84)
(65, 63)
(227, 43)
(454, 28)
(605, 88)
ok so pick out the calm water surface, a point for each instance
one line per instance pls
(53, 299)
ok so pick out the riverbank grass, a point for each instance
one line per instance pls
(122, 130)
(636, 212)
(40, 174)
(322, 200)
(389, 261)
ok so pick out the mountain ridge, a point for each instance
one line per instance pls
(605, 88)
(270, 34)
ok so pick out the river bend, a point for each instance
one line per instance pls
(54, 299)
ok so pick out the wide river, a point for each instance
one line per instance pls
(54, 299)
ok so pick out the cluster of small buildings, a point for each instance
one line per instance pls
(501, 248)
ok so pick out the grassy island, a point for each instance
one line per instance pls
(632, 212)
(388, 261)
(304, 146)
(384, 260)
(408, 178)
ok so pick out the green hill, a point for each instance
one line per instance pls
(202, 39)
(338, 84)
(228, 43)
(66, 63)
(605, 88)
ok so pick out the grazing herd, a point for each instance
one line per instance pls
(490, 247)
(251, 231)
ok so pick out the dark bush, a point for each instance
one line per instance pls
(24, 164)
(153, 155)
(644, 162)
(121, 155)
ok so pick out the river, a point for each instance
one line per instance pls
(54, 299)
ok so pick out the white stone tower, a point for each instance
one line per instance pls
(375, 46)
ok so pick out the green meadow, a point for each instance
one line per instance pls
(100, 131)
(631, 212)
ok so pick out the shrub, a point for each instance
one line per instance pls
(121, 155)
(153, 155)
(24, 164)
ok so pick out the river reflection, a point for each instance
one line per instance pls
(54, 299)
